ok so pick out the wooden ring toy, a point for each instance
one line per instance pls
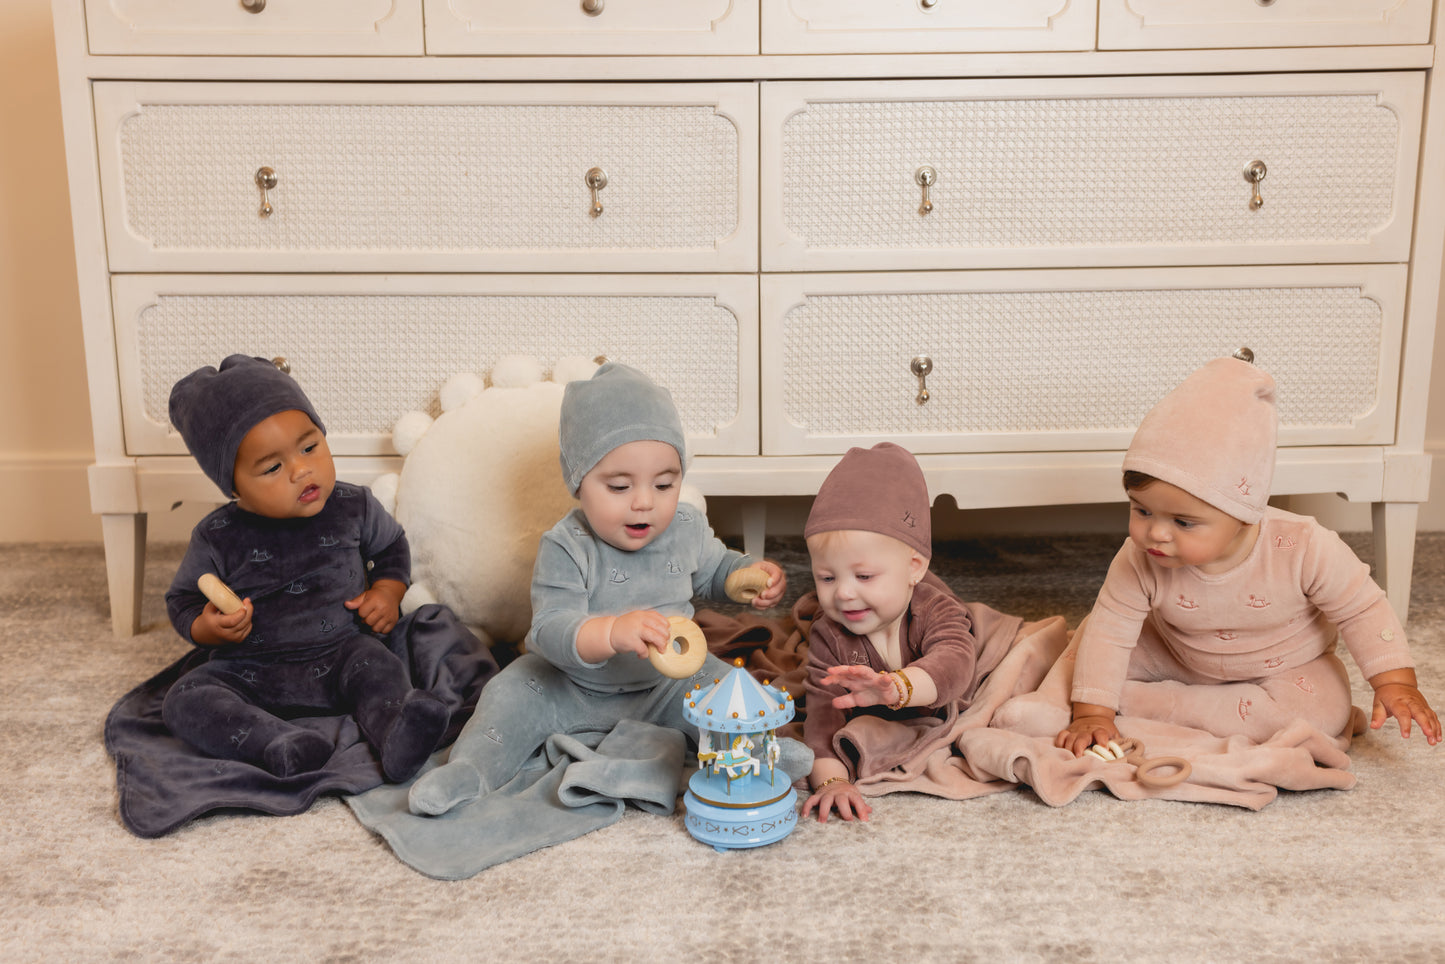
(685, 652)
(219, 593)
(1131, 750)
(743, 585)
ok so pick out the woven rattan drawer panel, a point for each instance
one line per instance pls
(369, 349)
(1261, 23)
(645, 27)
(1154, 171)
(369, 27)
(1068, 360)
(908, 26)
(429, 177)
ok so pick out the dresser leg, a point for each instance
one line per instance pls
(125, 557)
(1394, 525)
(755, 526)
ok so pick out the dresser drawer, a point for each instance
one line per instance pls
(429, 177)
(1068, 360)
(917, 26)
(1092, 171)
(265, 27)
(1131, 24)
(614, 27)
(369, 348)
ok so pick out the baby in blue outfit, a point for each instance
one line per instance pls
(607, 576)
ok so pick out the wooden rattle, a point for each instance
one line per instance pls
(685, 651)
(743, 585)
(219, 593)
(1131, 750)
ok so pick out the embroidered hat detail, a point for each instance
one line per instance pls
(1214, 437)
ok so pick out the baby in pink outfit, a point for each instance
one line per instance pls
(1221, 612)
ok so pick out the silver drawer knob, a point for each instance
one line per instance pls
(282, 364)
(928, 4)
(921, 366)
(593, 7)
(266, 181)
(253, 6)
(1245, 355)
(1254, 172)
(596, 180)
(925, 177)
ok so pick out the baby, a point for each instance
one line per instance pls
(1221, 612)
(606, 578)
(893, 640)
(320, 569)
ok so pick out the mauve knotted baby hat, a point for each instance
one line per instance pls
(213, 409)
(880, 489)
(615, 406)
(1213, 437)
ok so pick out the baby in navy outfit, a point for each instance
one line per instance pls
(320, 567)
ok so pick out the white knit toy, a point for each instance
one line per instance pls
(478, 487)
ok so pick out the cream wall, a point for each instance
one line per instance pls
(45, 442)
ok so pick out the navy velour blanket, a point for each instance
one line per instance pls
(164, 782)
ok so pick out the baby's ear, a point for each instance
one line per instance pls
(917, 567)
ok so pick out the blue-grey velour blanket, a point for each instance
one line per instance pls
(575, 784)
(164, 782)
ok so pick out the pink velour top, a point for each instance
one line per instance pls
(1277, 610)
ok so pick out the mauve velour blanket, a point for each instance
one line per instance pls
(163, 782)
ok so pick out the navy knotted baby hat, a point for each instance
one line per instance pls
(213, 409)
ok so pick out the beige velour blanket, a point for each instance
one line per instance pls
(966, 753)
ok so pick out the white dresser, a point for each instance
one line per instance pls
(992, 232)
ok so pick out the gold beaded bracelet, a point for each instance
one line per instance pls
(829, 782)
(897, 688)
(906, 682)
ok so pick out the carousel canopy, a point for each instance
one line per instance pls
(738, 703)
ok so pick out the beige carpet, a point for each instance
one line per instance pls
(1329, 875)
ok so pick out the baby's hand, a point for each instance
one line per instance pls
(1405, 703)
(866, 687)
(214, 628)
(777, 585)
(838, 795)
(380, 606)
(640, 632)
(1085, 731)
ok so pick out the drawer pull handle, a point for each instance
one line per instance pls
(593, 7)
(266, 181)
(282, 365)
(926, 177)
(1254, 172)
(921, 366)
(253, 6)
(1245, 355)
(596, 180)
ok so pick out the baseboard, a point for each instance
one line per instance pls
(47, 498)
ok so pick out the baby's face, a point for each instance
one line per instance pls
(1177, 529)
(284, 468)
(630, 497)
(864, 580)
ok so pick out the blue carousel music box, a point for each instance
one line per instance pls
(737, 799)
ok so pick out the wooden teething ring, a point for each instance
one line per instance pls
(685, 652)
(1131, 750)
(219, 593)
(743, 585)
